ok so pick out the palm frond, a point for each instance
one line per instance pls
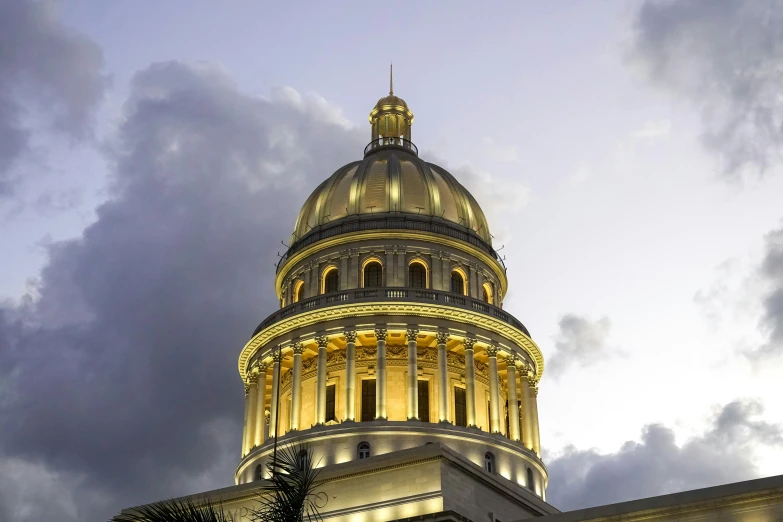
(174, 510)
(290, 495)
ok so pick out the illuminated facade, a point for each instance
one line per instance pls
(392, 358)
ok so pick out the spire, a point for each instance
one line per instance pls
(391, 79)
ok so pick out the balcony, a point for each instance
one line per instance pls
(391, 142)
(395, 294)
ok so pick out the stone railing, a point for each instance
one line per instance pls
(418, 295)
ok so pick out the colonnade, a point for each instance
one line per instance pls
(254, 433)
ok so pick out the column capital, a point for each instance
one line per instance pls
(411, 334)
(512, 359)
(252, 378)
(469, 342)
(262, 368)
(298, 348)
(350, 336)
(492, 350)
(442, 337)
(247, 390)
(381, 333)
(277, 357)
(322, 341)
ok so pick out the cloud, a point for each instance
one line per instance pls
(50, 76)
(724, 57)
(580, 342)
(772, 318)
(499, 152)
(658, 465)
(118, 377)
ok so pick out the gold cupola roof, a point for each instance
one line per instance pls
(391, 180)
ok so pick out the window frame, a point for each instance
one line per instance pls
(325, 275)
(461, 274)
(365, 266)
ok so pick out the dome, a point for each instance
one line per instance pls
(391, 180)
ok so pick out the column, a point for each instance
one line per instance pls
(527, 431)
(445, 272)
(494, 389)
(296, 386)
(391, 273)
(401, 267)
(308, 274)
(350, 375)
(245, 434)
(252, 379)
(343, 275)
(258, 431)
(513, 403)
(470, 381)
(413, 378)
(380, 373)
(435, 272)
(273, 403)
(443, 378)
(534, 413)
(320, 387)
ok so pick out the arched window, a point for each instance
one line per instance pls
(302, 459)
(259, 473)
(363, 450)
(373, 275)
(457, 283)
(331, 281)
(530, 481)
(298, 291)
(489, 462)
(417, 275)
(488, 292)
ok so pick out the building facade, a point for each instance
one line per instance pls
(392, 358)
(391, 332)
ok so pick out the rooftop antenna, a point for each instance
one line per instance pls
(284, 244)
(391, 79)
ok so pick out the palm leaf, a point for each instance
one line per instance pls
(174, 510)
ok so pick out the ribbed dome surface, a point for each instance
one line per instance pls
(391, 180)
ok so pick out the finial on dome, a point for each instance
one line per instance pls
(391, 79)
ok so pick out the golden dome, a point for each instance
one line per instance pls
(391, 180)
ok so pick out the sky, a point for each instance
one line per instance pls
(153, 156)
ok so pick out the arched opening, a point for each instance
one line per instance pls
(259, 474)
(331, 281)
(457, 283)
(488, 292)
(372, 275)
(417, 275)
(489, 462)
(298, 290)
(531, 485)
(363, 450)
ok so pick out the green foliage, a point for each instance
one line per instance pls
(290, 495)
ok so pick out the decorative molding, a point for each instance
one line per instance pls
(373, 309)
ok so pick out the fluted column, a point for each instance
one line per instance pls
(350, 375)
(245, 433)
(320, 390)
(380, 371)
(527, 430)
(413, 392)
(443, 378)
(513, 403)
(260, 416)
(494, 390)
(274, 405)
(534, 413)
(470, 382)
(296, 386)
(252, 379)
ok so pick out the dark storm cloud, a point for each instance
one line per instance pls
(580, 342)
(657, 465)
(772, 319)
(120, 380)
(724, 56)
(48, 72)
